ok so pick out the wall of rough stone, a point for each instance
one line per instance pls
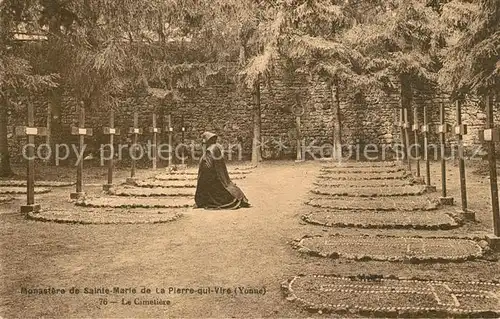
(226, 110)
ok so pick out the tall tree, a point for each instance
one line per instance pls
(472, 64)
(17, 77)
(262, 30)
(317, 46)
(403, 42)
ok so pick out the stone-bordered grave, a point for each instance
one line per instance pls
(347, 176)
(151, 192)
(137, 202)
(187, 177)
(375, 203)
(362, 170)
(371, 191)
(390, 248)
(13, 190)
(326, 183)
(392, 296)
(23, 183)
(191, 176)
(108, 216)
(362, 164)
(424, 220)
(6, 199)
(152, 183)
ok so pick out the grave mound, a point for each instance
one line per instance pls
(371, 191)
(395, 297)
(8, 190)
(329, 184)
(152, 183)
(108, 216)
(184, 177)
(375, 203)
(150, 192)
(23, 183)
(6, 199)
(137, 202)
(434, 220)
(364, 176)
(362, 170)
(389, 248)
(195, 173)
(361, 164)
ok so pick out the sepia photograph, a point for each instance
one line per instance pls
(249, 159)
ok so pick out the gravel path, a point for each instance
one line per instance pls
(247, 248)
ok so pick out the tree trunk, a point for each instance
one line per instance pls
(256, 145)
(54, 129)
(337, 124)
(5, 169)
(54, 125)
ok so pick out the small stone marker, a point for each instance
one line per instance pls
(111, 131)
(491, 135)
(442, 129)
(460, 131)
(155, 131)
(30, 131)
(135, 131)
(80, 131)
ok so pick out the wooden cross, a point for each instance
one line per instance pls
(406, 126)
(183, 131)
(491, 135)
(425, 130)
(135, 131)
(80, 131)
(460, 130)
(155, 131)
(416, 129)
(170, 130)
(442, 129)
(30, 131)
(111, 131)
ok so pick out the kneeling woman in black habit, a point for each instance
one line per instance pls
(215, 190)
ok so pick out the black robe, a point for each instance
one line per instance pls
(215, 189)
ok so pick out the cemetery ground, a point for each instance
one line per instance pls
(250, 248)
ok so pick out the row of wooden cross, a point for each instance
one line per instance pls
(30, 131)
(489, 135)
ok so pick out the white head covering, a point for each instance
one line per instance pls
(207, 136)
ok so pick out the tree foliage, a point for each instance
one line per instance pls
(405, 40)
(472, 64)
(17, 75)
